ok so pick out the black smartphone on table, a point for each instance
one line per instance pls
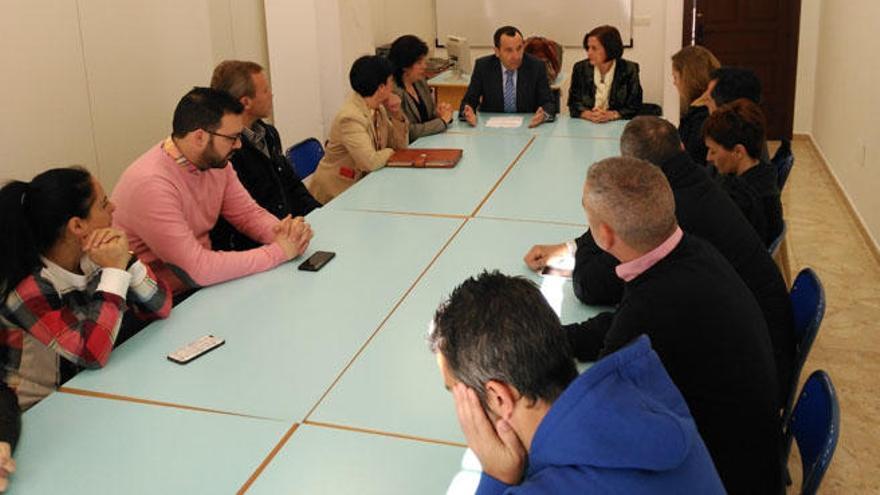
(316, 261)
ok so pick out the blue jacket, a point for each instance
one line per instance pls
(620, 427)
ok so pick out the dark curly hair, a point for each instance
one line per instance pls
(406, 51)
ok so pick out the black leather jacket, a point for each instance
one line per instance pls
(626, 91)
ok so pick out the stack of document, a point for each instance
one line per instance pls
(505, 122)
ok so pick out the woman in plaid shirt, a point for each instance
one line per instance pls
(66, 278)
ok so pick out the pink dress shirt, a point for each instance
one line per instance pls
(632, 269)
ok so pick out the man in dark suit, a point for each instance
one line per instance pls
(703, 321)
(509, 81)
(260, 163)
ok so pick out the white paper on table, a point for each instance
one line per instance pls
(504, 122)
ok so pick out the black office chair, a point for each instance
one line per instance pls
(651, 109)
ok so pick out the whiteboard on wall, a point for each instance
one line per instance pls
(565, 21)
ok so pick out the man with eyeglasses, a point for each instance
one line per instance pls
(170, 198)
(260, 164)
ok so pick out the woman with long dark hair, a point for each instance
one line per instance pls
(66, 279)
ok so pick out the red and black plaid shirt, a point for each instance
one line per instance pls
(54, 314)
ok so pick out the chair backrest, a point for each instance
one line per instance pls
(651, 109)
(783, 159)
(305, 156)
(547, 50)
(808, 306)
(774, 246)
(816, 427)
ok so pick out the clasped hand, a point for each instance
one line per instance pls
(293, 235)
(444, 111)
(599, 116)
(107, 247)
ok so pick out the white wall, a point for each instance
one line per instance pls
(312, 44)
(808, 50)
(846, 121)
(47, 114)
(656, 35)
(292, 34)
(100, 78)
(96, 81)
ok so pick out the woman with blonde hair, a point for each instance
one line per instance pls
(691, 73)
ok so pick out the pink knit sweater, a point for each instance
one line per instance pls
(167, 207)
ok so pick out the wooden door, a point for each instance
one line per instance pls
(761, 35)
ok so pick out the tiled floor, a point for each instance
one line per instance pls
(823, 235)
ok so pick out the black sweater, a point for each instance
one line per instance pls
(757, 195)
(704, 209)
(10, 416)
(272, 183)
(710, 335)
(690, 130)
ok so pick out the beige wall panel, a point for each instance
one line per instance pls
(846, 121)
(141, 57)
(292, 36)
(46, 108)
(808, 48)
(249, 30)
(238, 30)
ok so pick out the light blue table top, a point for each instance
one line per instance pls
(326, 460)
(394, 386)
(547, 182)
(455, 191)
(563, 126)
(74, 444)
(288, 333)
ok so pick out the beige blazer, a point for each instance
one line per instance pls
(417, 128)
(351, 151)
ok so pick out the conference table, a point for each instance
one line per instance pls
(325, 383)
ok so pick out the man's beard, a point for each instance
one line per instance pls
(212, 159)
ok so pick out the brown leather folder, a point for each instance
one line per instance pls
(425, 158)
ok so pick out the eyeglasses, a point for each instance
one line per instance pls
(234, 138)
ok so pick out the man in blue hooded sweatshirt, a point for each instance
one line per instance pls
(538, 427)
